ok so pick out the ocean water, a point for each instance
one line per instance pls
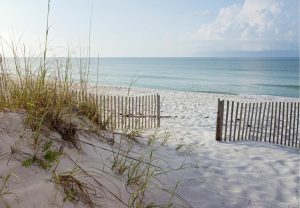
(254, 76)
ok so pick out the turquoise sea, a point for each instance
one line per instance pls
(254, 76)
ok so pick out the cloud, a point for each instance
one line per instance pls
(255, 25)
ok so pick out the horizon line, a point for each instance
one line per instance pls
(158, 57)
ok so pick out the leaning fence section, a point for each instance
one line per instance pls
(125, 112)
(273, 122)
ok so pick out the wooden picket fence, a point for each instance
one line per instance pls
(273, 122)
(125, 112)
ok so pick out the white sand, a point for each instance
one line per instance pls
(243, 174)
(31, 187)
(218, 174)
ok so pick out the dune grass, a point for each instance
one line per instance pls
(43, 87)
(48, 100)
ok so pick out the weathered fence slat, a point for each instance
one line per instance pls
(275, 119)
(139, 105)
(278, 123)
(254, 108)
(136, 113)
(270, 134)
(115, 112)
(247, 124)
(227, 108)
(251, 121)
(282, 123)
(240, 123)
(111, 112)
(266, 129)
(297, 129)
(151, 111)
(142, 112)
(128, 113)
(258, 122)
(145, 111)
(154, 111)
(119, 112)
(231, 117)
(136, 117)
(158, 110)
(235, 120)
(286, 124)
(290, 125)
(109, 104)
(132, 112)
(245, 114)
(254, 124)
(104, 109)
(262, 123)
(148, 110)
(294, 125)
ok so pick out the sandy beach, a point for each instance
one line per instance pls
(149, 104)
(240, 174)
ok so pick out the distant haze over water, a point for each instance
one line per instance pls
(253, 76)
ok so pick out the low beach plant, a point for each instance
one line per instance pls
(159, 135)
(132, 134)
(44, 160)
(120, 158)
(141, 172)
(74, 189)
(4, 190)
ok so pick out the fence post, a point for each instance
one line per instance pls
(220, 120)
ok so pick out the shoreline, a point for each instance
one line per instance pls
(139, 90)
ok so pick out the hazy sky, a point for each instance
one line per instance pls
(156, 27)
